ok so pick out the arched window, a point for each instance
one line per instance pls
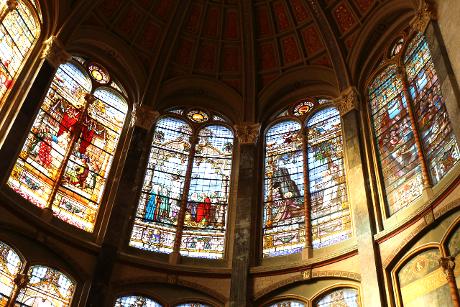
(288, 303)
(304, 152)
(43, 286)
(19, 32)
(193, 305)
(346, 297)
(10, 266)
(46, 287)
(184, 200)
(66, 159)
(136, 301)
(415, 144)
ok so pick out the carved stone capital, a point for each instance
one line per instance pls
(54, 52)
(21, 280)
(247, 133)
(12, 4)
(425, 13)
(448, 265)
(144, 117)
(348, 101)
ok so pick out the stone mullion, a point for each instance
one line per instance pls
(89, 99)
(418, 141)
(362, 211)
(448, 266)
(174, 257)
(20, 282)
(306, 197)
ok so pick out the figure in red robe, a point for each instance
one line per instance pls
(69, 119)
(203, 210)
(88, 131)
(44, 151)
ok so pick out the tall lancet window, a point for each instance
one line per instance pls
(305, 193)
(415, 144)
(19, 31)
(184, 200)
(66, 158)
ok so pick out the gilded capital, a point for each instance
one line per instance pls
(425, 13)
(54, 52)
(145, 116)
(348, 101)
(12, 4)
(448, 265)
(247, 133)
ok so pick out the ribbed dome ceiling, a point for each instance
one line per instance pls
(208, 36)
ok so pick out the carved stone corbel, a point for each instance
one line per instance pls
(54, 52)
(348, 101)
(425, 14)
(145, 117)
(12, 4)
(247, 133)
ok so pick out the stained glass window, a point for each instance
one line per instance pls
(197, 116)
(330, 214)
(19, 32)
(206, 184)
(395, 140)
(67, 156)
(319, 133)
(288, 303)
(284, 216)
(46, 287)
(206, 213)
(438, 139)
(346, 297)
(393, 94)
(10, 266)
(135, 301)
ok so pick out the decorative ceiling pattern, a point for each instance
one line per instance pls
(209, 41)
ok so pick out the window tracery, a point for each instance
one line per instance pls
(346, 297)
(305, 196)
(288, 303)
(66, 159)
(184, 199)
(136, 301)
(415, 143)
(39, 286)
(19, 32)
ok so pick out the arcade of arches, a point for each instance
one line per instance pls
(229, 153)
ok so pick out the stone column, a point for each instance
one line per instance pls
(124, 205)
(363, 218)
(54, 55)
(448, 265)
(246, 198)
(425, 22)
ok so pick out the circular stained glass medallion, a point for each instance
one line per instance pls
(197, 116)
(303, 108)
(98, 73)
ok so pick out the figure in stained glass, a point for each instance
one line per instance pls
(66, 158)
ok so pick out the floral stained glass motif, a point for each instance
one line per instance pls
(135, 301)
(10, 265)
(46, 287)
(206, 213)
(156, 218)
(197, 116)
(303, 108)
(67, 156)
(346, 297)
(437, 136)
(330, 215)
(289, 303)
(283, 218)
(19, 32)
(395, 140)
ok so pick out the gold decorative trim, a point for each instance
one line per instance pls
(247, 133)
(348, 101)
(425, 14)
(54, 52)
